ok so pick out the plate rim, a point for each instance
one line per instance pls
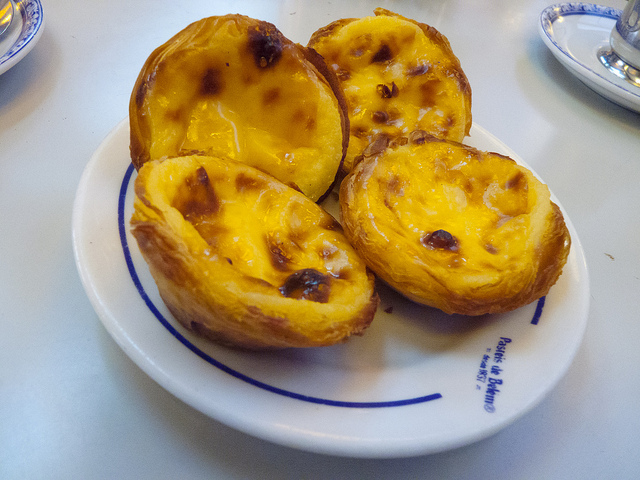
(32, 16)
(374, 450)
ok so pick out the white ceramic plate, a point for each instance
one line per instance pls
(23, 33)
(575, 33)
(417, 382)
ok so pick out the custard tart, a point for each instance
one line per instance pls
(452, 227)
(398, 75)
(235, 87)
(246, 261)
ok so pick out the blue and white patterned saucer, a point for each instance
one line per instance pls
(23, 34)
(575, 33)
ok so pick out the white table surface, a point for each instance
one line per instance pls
(72, 404)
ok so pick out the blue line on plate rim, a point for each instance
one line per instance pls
(216, 363)
(538, 313)
(221, 366)
(32, 16)
(553, 12)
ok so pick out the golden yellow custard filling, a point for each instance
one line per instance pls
(465, 231)
(398, 76)
(236, 87)
(245, 260)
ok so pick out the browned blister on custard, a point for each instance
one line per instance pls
(235, 87)
(398, 75)
(246, 261)
(449, 226)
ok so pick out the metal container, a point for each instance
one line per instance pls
(623, 56)
(625, 37)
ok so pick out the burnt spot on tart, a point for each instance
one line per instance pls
(195, 198)
(386, 91)
(246, 182)
(176, 115)
(277, 255)
(429, 91)
(380, 117)
(406, 39)
(265, 44)
(310, 124)
(141, 92)
(307, 284)
(383, 54)
(440, 240)
(359, 131)
(271, 96)
(450, 121)
(198, 203)
(300, 117)
(517, 182)
(212, 82)
(490, 248)
(418, 70)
